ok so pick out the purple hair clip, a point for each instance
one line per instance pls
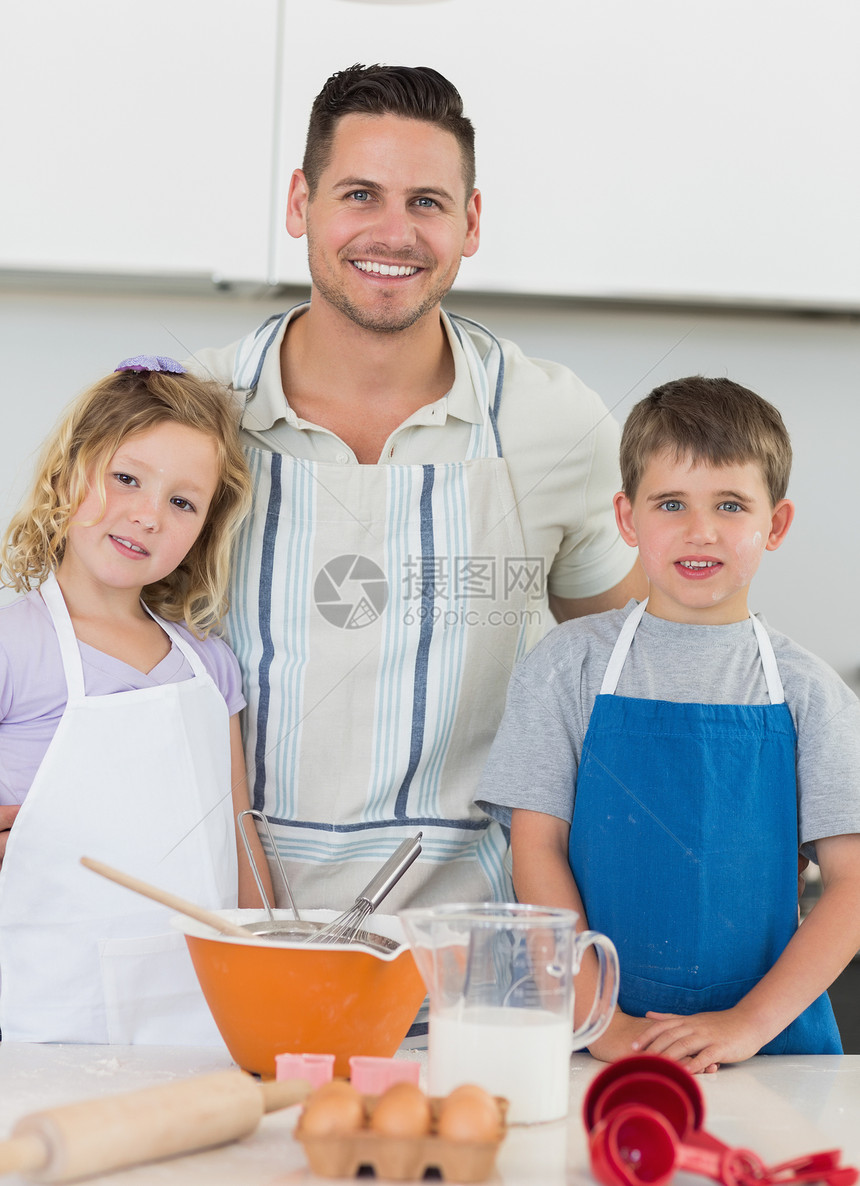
(151, 362)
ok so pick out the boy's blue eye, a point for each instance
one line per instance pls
(734, 507)
(671, 504)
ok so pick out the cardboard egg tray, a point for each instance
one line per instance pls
(402, 1158)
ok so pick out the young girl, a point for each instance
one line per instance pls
(119, 733)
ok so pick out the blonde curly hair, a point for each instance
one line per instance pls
(76, 457)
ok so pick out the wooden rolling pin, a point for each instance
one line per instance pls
(97, 1136)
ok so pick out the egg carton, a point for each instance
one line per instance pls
(402, 1158)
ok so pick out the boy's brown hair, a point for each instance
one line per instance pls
(706, 420)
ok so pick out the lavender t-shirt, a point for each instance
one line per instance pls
(33, 685)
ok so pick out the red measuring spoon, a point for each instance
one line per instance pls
(638, 1146)
(645, 1114)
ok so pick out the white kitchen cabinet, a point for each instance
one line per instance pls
(673, 150)
(137, 138)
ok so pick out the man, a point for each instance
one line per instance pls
(421, 488)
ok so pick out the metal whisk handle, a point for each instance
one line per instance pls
(391, 871)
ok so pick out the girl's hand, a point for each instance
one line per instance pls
(7, 819)
(701, 1041)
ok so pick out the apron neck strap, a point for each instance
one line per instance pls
(619, 652)
(252, 350)
(194, 661)
(73, 669)
(768, 662)
(625, 638)
(487, 375)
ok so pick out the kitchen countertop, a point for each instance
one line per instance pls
(777, 1106)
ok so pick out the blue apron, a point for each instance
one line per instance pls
(684, 847)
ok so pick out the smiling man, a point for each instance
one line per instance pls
(425, 493)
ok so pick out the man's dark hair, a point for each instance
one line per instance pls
(412, 92)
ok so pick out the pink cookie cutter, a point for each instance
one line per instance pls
(316, 1068)
(372, 1076)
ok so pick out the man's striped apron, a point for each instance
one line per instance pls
(377, 612)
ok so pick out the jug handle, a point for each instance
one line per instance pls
(606, 990)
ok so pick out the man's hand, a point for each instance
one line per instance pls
(7, 819)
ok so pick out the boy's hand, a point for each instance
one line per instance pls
(619, 1039)
(701, 1041)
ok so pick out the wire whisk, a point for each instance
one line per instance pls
(349, 926)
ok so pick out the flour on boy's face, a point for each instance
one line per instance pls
(701, 531)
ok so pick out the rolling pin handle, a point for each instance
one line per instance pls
(283, 1093)
(23, 1155)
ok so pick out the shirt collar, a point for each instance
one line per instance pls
(267, 405)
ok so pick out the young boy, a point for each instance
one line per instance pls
(661, 766)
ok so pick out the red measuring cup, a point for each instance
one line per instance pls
(638, 1146)
(644, 1114)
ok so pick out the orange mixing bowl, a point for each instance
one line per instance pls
(269, 998)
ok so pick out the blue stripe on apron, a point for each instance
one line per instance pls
(419, 697)
(452, 521)
(264, 610)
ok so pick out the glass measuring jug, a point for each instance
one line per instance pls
(501, 984)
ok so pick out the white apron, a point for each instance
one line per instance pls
(140, 780)
(377, 612)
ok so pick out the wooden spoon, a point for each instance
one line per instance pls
(180, 905)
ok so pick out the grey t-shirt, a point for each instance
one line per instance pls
(534, 759)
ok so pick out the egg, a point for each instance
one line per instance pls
(334, 1109)
(469, 1114)
(401, 1111)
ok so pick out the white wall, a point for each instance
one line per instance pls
(56, 341)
